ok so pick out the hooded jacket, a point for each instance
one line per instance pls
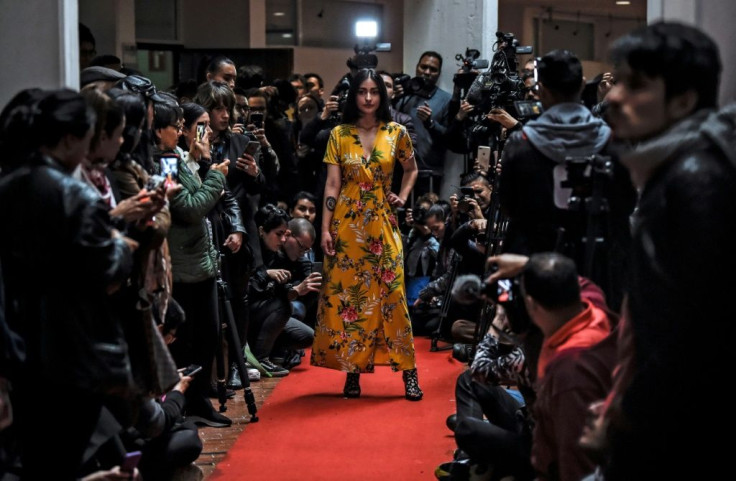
(533, 166)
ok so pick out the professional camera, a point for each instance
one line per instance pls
(463, 202)
(470, 64)
(470, 289)
(419, 215)
(341, 92)
(501, 85)
(413, 85)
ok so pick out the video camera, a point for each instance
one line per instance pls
(470, 64)
(501, 85)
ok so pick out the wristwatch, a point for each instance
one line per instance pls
(292, 294)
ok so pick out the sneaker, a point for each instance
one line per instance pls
(254, 374)
(273, 369)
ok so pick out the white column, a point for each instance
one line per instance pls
(40, 46)
(448, 27)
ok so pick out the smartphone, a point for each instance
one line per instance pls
(191, 370)
(317, 267)
(201, 131)
(169, 167)
(484, 157)
(130, 462)
(252, 147)
(256, 118)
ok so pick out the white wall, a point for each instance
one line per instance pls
(447, 27)
(716, 18)
(40, 46)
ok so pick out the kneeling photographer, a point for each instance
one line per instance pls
(559, 330)
(468, 246)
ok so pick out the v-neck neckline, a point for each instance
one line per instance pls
(360, 142)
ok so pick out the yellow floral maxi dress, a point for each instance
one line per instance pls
(363, 318)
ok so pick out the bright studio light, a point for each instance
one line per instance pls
(366, 29)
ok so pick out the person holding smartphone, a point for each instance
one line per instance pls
(194, 258)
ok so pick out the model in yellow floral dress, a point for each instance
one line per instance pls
(363, 318)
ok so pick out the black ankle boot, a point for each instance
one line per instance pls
(352, 385)
(411, 385)
(233, 378)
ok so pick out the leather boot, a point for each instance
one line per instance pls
(352, 385)
(411, 385)
(233, 377)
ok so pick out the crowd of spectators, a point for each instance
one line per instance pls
(128, 207)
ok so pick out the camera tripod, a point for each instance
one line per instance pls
(226, 316)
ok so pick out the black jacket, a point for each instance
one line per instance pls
(533, 167)
(59, 258)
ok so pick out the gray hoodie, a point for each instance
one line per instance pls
(567, 130)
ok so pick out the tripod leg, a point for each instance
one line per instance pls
(220, 368)
(229, 319)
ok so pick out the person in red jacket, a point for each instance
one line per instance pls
(574, 368)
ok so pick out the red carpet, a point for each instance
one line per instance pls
(308, 431)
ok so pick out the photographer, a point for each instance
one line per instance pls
(421, 248)
(560, 359)
(468, 244)
(535, 167)
(428, 106)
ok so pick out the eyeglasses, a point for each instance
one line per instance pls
(178, 126)
(302, 247)
(243, 107)
(257, 109)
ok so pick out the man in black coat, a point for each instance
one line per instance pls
(680, 320)
(536, 169)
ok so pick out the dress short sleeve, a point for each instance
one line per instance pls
(404, 149)
(332, 154)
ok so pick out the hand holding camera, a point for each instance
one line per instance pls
(312, 283)
(331, 106)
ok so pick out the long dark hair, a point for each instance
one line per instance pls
(271, 217)
(135, 111)
(44, 118)
(351, 114)
(192, 112)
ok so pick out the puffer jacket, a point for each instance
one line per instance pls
(194, 257)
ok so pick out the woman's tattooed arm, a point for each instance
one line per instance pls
(330, 203)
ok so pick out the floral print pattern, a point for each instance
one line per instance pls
(363, 318)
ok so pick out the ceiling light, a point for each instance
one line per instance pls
(286, 35)
(278, 14)
(623, 2)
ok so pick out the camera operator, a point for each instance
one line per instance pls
(535, 165)
(428, 106)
